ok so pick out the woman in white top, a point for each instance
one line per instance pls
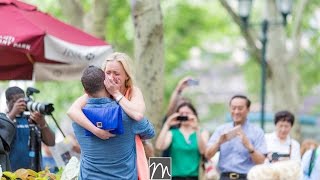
(280, 145)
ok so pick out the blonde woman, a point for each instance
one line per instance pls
(120, 84)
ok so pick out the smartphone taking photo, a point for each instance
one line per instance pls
(193, 82)
(232, 133)
(182, 118)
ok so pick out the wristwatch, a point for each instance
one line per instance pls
(251, 151)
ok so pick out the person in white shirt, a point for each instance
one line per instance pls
(280, 145)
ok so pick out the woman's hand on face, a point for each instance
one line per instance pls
(112, 85)
(172, 120)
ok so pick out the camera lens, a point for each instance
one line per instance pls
(46, 108)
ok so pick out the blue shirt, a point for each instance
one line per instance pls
(19, 153)
(305, 163)
(115, 158)
(234, 156)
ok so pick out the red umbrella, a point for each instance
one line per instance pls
(34, 45)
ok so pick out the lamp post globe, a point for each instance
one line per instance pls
(284, 7)
(245, 10)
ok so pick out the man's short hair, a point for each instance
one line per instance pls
(248, 103)
(284, 116)
(92, 80)
(11, 91)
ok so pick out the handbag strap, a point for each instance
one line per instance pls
(312, 160)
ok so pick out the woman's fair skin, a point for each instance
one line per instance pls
(283, 129)
(186, 127)
(116, 82)
(175, 97)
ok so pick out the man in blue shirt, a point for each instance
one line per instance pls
(241, 151)
(114, 158)
(26, 153)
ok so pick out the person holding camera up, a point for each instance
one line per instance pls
(186, 144)
(176, 97)
(30, 131)
(280, 145)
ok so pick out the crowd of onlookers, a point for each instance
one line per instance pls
(242, 150)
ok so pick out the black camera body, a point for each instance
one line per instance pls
(43, 108)
(275, 156)
(182, 118)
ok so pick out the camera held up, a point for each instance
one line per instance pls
(43, 108)
(182, 118)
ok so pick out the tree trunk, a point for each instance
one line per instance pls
(149, 55)
(284, 79)
(92, 22)
(72, 9)
(95, 21)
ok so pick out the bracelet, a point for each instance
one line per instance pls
(118, 99)
(44, 126)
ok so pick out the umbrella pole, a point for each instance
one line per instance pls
(30, 58)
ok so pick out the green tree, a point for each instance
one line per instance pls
(283, 62)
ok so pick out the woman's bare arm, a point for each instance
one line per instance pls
(76, 114)
(136, 107)
(203, 137)
(164, 139)
(165, 136)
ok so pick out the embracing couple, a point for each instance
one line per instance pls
(105, 155)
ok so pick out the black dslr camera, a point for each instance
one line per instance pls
(43, 108)
(276, 157)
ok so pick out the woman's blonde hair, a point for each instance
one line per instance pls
(126, 62)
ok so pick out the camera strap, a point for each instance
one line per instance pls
(35, 147)
(290, 149)
(314, 155)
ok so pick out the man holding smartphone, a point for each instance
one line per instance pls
(240, 153)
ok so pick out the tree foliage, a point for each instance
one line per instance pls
(186, 24)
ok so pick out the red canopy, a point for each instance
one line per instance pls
(30, 38)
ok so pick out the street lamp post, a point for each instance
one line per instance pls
(284, 6)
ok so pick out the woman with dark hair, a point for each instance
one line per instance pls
(280, 145)
(186, 144)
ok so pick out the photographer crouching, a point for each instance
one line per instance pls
(31, 128)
